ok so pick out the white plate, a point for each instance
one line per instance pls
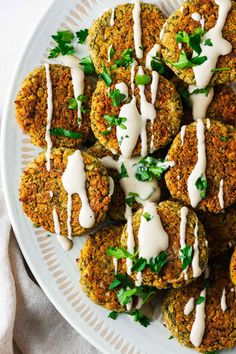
(53, 268)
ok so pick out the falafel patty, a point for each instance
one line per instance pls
(233, 268)
(220, 230)
(219, 325)
(220, 142)
(172, 274)
(167, 105)
(120, 35)
(31, 106)
(97, 269)
(182, 20)
(37, 186)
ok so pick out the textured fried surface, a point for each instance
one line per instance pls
(221, 164)
(31, 106)
(233, 268)
(37, 182)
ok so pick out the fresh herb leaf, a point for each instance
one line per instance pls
(208, 42)
(117, 97)
(131, 198)
(171, 337)
(184, 62)
(82, 35)
(67, 133)
(200, 300)
(64, 47)
(84, 109)
(119, 253)
(205, 90)
(184, 94)
(201, 184)
(114, 121)
(158, 65)
(220, 69)
(142, 79)
(150, 167)
(224, 138)
(123, 171)
(141, 318)
(147, 216)
(125, 61)
(139, 265)
(158, 262)
(192, 40)
(121, 279)
(73, 104)
(82, 98)
(186, 256)
(125, 296)
(87, 65)
(142, 48)
(105, 76)
(113, 315)
(144, 292)
(111, 52)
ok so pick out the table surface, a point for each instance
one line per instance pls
(17, 18)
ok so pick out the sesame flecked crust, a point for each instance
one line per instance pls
(37, 182)
(221, 164)
(182, 21)
(102, 35)
(31, 106)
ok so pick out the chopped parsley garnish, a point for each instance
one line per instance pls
(111, 52)
(114, 121)
(200, 300)
(126, 59)
(121, 279)
(123, 171)
(144, 292)
(201, 184)
(119, 253)
(64, 46)
(113, 315)
(117, 97)
(147, 216)
(171, 337)
(205, 90)
(157, 64)
(142, 48)
(142, 79)
(224, 138)
(82, 35)
(186, 256)
(87, 65)
(208, 42)
(131, 198)
(184, 94)
(150, 167)
(192, 40)
(82, 98)
(184, 62)
(105, 76)
(158, 262)
(63, 132)
(139, 265)
(73, 104)
(220, 69)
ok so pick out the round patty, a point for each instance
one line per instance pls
(220, 230)
(97, 268)
(182, 21)
(37, 182)
(171, 274)
(31, 106)
(233, 268)
(121, 36)
(168, 107)
(220, 145)
(220, 326)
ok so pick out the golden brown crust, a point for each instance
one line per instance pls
(233, 268)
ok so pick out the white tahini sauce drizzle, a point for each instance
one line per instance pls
(162, 32)
(74, 180)
(220, 46)
(200, 167)
(115, 262)
(154, 88)
(151, 54)
(197, 17)
(109, 53)
(198, 328)
(111, 186)
(221, 194)
(208, 123)
(189, 306)
(200, 102)
(64, 241)
(223, 302)
(182, 134)
(195, 261)
(112, 20)
(49, 116)
(51, 194)
(183, 225)
(137, 29)
(123, 88)
(152, 237)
